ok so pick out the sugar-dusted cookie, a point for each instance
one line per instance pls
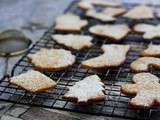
(69, 23)
(143, 64)
(49, 60)
(86, 91)
(140, 13)
(113, 56)
(112, 11)
(150, 31)
(146, 89)
(115, 32)
(76, 42)
(100, 16)
(33, 81)
(89, 4)
(151, 51)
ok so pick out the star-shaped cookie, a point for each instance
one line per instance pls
(69, 23)
(143, 64)
(76, 42)
(113, 56)
(115, 32)
(150, 31)
(146, 89)
(86, 91)
(50, 60)
(140, 13)
(33, 81)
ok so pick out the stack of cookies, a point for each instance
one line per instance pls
(69, 35)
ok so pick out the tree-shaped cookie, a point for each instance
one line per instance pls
(140, 13)
(113, 56)
(143, 64)
(69, 23)
(88, 90)
(149, 31)
(146, 89)
(151, 51)
(115, 32)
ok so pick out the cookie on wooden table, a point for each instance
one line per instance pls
(151, 51)
(88, 90)
(149, 31)
(76, 42)
(33, 81)
(141, 12)
(113, 56)
(115, 32)
(100, 16)
(143, 64)
(146, 89)
(89, 4)
(69, 23)
(50, 60)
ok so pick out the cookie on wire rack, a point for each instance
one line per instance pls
(69, 23)
(113, 56)
(146, 89)
(73, 41)
(140, 12)
(143, 64)
(50, 60)
(86, 91)
(33, 81)
(116, 32)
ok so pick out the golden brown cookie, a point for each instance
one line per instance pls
(145, 88)
(112, 11)
(150, 31)
(140, 13)
(89, 4)
(69, 23)
(86, 91)
(76, 42)
(100, 16)
(33, 81)
(113, 56)
(151, 51)
(143, 64)
(115, 32)
(50, 60)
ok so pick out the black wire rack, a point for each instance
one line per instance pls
(116, 103)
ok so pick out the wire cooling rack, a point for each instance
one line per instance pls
(116, 103)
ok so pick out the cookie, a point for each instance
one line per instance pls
(151, 51)
(115, 32)
(99, 16)
(89, 4)
(150, 31)
(111, 11)
(143, 64)
(86, 91)
(76, 42)
(145, 88)
(69, 23)
(33, 81)
(113, 56)
(141, 12)
(50, 60)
